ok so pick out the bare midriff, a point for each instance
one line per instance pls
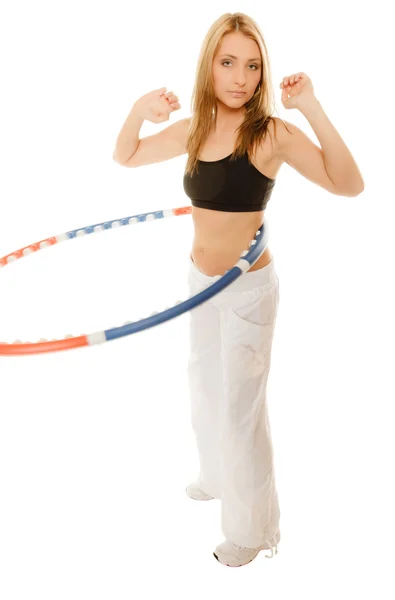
(221, 237)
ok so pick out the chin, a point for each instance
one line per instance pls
(231, 101)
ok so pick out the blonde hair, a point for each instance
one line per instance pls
(259, 109)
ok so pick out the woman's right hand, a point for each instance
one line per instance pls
(157, 105)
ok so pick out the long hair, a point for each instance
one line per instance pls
(259, 109)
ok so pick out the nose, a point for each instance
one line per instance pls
(239, 78)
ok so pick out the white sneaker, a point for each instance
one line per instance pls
(196, 493)
(232, 555)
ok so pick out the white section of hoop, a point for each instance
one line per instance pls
(243, 264)
(96, 338)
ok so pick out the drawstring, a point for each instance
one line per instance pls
(271, 550)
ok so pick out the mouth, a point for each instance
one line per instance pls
(237, 93)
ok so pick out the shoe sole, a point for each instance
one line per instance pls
(198, 499)
(247, 563)
(232, 566)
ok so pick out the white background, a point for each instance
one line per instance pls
(96, 446)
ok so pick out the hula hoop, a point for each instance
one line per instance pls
(247, 259)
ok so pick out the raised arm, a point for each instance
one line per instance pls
(156, 106)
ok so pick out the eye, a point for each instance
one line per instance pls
(252, 65)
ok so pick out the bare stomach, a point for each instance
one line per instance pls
(221, 237)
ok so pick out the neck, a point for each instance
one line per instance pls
(227, 120)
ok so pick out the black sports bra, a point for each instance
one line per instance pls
(234, 186)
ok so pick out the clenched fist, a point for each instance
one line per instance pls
(157, 105)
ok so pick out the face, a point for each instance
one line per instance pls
(241, 73)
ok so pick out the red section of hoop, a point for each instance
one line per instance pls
(185, 210)
(41, 347)
(51, 241)
(54, 345)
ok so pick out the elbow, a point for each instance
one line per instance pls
(123, 162)
(351, 192)
(361, 187)
(116, 158)
(358, 190)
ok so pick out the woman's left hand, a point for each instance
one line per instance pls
(299, 88)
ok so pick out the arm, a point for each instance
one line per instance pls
(131, 151)
(331, 166)
(128, 138)
(155, 106)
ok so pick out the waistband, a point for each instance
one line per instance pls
(244, 282)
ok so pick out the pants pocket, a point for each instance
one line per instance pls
(259, 306)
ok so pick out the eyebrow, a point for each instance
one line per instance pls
(235, 57)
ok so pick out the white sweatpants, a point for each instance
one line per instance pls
(231, 337)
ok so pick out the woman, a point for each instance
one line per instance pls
(235, 149)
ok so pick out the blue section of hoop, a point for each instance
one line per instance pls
(251, 257)
(109, 224)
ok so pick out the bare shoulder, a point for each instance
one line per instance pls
(268, 156)
(270, 147)
(287, 135)
(184, 127)
(179, 131)
(280, 132)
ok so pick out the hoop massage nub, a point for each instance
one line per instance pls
(247, 259)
